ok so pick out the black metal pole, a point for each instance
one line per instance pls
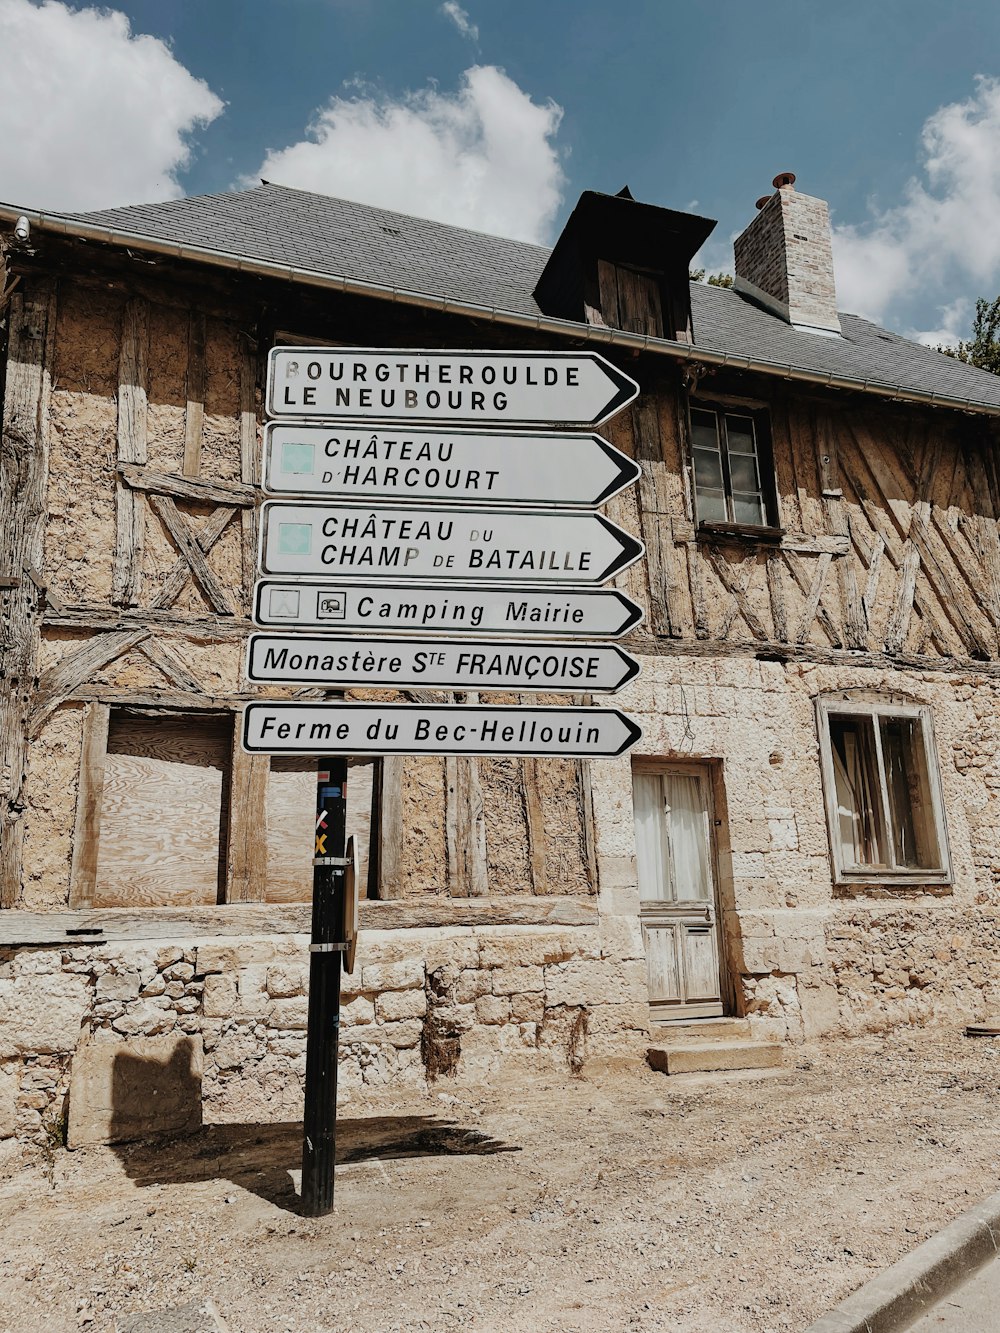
(319, 1129)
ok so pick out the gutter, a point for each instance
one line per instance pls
(566, 328)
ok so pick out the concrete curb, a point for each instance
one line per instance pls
(896, 1296)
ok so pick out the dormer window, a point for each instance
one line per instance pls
(732, 468)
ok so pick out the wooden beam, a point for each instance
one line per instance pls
(737, 586)
(176, 671)
(133, 374)
(63, 677)
(190, 548)
(88, 615)
(249, 461)
(535, 824)
(854, 620)
(194, 416)
(811, 604)
(206, 536)
(246, 860)
(186, 488)
(466, 829)
(87, 833)
(806, 587)
(390, 828)
(112, 924)
(666, 603)
(776, 596)
(24, 475)
(155, 700)
(585, 807)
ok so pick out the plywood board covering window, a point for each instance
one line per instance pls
(883, 796)
(162, 819)
(291, 820)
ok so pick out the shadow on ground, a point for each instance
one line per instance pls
(260, 1158)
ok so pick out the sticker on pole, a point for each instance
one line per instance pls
(352, 890)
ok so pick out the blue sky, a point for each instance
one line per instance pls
(497, 113)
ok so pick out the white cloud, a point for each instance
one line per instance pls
(944, 235)
(450, 9)
(91, 115)
(482, 157)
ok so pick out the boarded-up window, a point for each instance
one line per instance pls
(291, 820)
(162, 823)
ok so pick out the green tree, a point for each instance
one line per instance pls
(713, 279)
(983, 348)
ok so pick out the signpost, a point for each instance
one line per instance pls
(417, 608)
(499, 546)
(362, 462)
(446, 729)
(458, 388)
(299, 659)
(457, 518)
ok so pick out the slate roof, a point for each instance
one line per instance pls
(330, 237)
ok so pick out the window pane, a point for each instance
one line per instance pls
(651, 855)
(739, 433)
(748, 509)
(687, 826)
(743, 471)
(860, 825)
(914, 836)
(704, 429)
(707, 468)
(712, 506)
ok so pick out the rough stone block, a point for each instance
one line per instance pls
(290, 1013)
(286, 979)
(42, 1012)
(403, 975)
(528, 1009)
(211, 958)
(407, 1033)
(756, 955)
(621, 937)
(37, 962)
(219, 995)
(706, 1057)
(237, 1047)
(395, 1005)
(8, 1102)
(118, 986)
(145, 1018)
(492, 1009)
(515, 980)
(135, 1088)
(179, 971)
(531, 948)
(470, 984)
(593, 983)
(251, 983)
(359, 1010)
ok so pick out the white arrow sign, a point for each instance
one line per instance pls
(359, 462)
(470, 388)
(396, 607)
(304, 659)
(464, 545)
(339, 728)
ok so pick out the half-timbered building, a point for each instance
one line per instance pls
(803, 841)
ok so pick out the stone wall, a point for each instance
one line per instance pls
(421, 1005)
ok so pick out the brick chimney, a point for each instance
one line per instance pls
(784, 259)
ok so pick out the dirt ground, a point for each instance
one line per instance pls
(617, 1200)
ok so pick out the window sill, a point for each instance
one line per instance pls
(909, 886)
(707, 531)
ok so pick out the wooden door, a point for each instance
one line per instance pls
(678, 905)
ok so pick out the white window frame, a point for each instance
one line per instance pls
(876, 709)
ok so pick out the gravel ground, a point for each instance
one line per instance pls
(618, 1200)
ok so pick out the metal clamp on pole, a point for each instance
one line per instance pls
(327, 948)
(331, 861)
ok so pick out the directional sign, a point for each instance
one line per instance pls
(413, 608)
(338, 728)
(464, 545)
(305, 659)
(363, 462)
(469, 388)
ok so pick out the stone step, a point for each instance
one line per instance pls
(701, 1029)
(708, 1056)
